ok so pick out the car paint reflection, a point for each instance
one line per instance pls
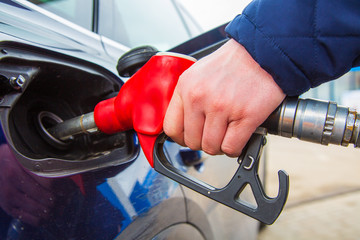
(112, 199)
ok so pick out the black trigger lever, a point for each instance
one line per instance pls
(267, 209)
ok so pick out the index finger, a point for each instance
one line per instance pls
(174, 119)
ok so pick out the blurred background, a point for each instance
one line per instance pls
(212, 13)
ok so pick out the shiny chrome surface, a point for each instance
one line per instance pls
(318, 121)
(310, 120)
(355, 137)
(286, 120)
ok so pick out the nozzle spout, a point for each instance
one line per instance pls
(67, 129)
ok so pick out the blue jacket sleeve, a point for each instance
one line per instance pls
(301, 43)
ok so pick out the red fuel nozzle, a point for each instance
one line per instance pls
(143, 100)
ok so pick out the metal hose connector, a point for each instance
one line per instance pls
(318, 121)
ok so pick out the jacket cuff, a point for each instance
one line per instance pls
(267, 53)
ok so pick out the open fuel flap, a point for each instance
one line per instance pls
(39, 89)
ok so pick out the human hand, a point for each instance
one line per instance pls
(23, 196)
(220, 101)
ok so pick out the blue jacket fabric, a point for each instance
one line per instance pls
(301, 43)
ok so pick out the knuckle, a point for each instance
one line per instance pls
(178, 139)
(195, 96)
(210, 148)
(169, 130)
(218, 106)
(193, 145)
(211, 151)
(230, 150)
(173, 133)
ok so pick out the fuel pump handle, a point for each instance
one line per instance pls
(143, 100)
(142, 103)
